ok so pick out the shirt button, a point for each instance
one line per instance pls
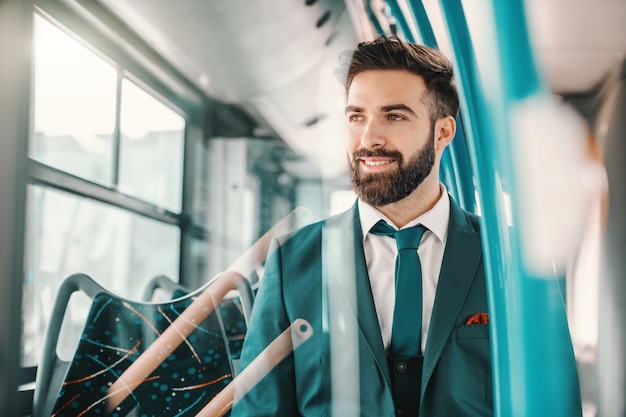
(401, 367)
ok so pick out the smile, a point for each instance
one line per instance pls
(376, 163)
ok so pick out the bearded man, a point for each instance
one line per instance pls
(399, 329)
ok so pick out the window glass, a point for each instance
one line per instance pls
(75, 94)
(151, 150)
(68, 234)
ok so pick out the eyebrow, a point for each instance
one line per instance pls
(353, 109)
(394, 107)
(385, 109)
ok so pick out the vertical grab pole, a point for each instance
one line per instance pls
(455, 168)
(546, 205)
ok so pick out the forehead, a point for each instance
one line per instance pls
(378, 87)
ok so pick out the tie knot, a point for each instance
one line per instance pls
(405, 239)
(409, 238)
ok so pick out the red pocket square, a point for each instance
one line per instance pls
(479, 318)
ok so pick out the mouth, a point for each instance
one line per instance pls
(373, 164)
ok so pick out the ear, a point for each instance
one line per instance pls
(445, 128)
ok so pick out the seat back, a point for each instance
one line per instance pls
(116, 334)
(234, 309)
(165, 284)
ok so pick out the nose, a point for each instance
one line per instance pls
(372, 135)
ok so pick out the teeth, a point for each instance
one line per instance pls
(376, 163)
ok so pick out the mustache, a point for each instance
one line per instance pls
(361, 153)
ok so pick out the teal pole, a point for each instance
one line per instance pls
(548, 382)
(422, 22)
(455, 165)
(396, 12)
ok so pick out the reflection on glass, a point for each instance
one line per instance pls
(74, 106)
(151, 150)
(68, 234)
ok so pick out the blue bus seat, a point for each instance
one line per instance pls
(234, 309)
(116, 334)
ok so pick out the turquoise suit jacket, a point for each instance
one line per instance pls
(456, 376)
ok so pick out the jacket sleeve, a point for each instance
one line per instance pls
(275, 394)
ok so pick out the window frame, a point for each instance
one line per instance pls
(101, 32)
(133, 60)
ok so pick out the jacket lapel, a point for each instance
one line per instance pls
(458, 270)
(346, 229)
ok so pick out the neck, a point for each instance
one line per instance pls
(422, 199)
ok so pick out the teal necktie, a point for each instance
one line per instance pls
(406, 333)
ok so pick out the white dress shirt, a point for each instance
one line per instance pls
(380, 257)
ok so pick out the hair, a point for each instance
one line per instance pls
(391, 53)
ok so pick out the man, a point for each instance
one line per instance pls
(401, 108)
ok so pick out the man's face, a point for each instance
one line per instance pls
(391, 147)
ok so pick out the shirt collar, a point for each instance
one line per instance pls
(435, 219)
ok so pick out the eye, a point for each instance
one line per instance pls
(355, 117)
(395, 117)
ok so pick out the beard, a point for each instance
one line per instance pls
(385, 188)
